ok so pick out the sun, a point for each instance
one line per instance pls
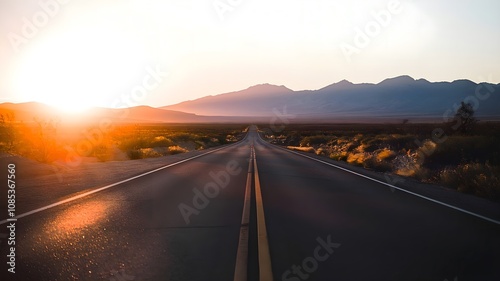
(77, 70)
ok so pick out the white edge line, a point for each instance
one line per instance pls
(111, 185)
(390, 185)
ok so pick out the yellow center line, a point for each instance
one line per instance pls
(265, 270)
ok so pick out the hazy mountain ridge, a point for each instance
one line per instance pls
(222, 104)
(27, 112)
(400, 96)
(391, 100)
(30, 111)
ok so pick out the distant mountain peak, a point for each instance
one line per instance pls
(339, 85)
(404, 79)
(422, 80)
(269, 87)
(343, 83)
(463, 82)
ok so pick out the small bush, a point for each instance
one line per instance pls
(175, 149)
(149, 153)
(315, 140)
(134, 154)
(339, 156)
(322, 151)
(357, 158)
(475, 178)
(303, 149)
(161, 141)
(103, 152)
(385, 154)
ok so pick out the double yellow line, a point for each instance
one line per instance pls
(265, 269)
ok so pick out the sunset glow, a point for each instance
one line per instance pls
(82, 54)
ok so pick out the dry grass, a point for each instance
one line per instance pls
(476, 178)
(303, 149)
(468, 164)
(48, 141)
(175, 149)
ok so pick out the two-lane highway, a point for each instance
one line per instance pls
(187, 222)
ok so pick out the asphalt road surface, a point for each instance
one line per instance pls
(251, 211)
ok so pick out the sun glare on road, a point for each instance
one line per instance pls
(75, 219)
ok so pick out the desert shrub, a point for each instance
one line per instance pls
(149, 153)
(405, 165)
(339, 156)
(175, 149)
(134, 154)
(322, 151)
(303, 149)
(456, 149)
(8, 132)
(475, 178)
(200, 145)
(43, 142)
(397, 141)
(370, 143)
(409, 150)
(134, 143)
(315, 140)
(161, 141)
(385, 155)
(232, 138)
(422, 173)
(182, 137)
(142, 153)
(103, 152)
(357, 158)
(374, 163)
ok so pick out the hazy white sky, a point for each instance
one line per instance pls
(78, 53)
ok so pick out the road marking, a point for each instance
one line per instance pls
(113, 184)
(240, 271)
(265, 270)
(392, 186)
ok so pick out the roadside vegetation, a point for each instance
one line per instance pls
(467, 160)
(48, 141)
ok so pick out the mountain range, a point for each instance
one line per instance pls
(400, 97)
(391, 100)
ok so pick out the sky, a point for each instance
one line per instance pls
(75, 54)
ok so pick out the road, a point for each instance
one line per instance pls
(303, 220)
